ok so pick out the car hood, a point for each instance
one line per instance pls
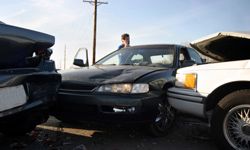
(224, 46)
(18, 43)
(107, 74)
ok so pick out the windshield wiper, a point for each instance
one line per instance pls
(105, 64)
(127, 64)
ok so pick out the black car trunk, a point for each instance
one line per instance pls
(19, 44)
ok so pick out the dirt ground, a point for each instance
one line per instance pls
(55, 135)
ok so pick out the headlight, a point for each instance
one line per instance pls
(140, 88)
(124, 88)
(186, 80)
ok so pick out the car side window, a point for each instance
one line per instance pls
(162, 59)
(115, 60)
(183, 55)
(137, 58)
(194, 56)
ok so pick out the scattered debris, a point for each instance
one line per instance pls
(196, 128)
(80, 147)
(17, 145)
(131, 136)
(56, 137)
(66, 143)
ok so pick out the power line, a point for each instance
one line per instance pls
(95, 4)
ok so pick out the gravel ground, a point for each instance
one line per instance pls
(55, 135)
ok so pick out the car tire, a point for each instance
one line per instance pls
(230, 123)
(163, 122)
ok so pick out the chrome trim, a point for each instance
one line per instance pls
(77, 91)
(187, 101)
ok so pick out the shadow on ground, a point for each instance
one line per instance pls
(55, 135)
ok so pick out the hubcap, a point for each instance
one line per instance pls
(236, 127)
(164, 119)
(246, 129)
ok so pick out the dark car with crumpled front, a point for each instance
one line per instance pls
(28, 79)
(127, 86)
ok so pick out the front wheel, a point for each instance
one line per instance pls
(163, 121)
(231, 121)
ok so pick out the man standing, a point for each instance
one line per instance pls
(125, 41)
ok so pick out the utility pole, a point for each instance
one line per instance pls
(64, 57)
(95, 3)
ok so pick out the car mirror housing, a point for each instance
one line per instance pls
(81, 58)
(186, 63)
(204, 60)
(79, 62)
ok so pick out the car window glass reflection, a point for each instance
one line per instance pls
(143, 57)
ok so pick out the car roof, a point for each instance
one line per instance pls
(154, 46)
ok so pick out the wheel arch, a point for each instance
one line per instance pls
(168, 85)
(220, 92)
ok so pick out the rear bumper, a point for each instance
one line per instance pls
(40, 92)
(109, 108)
(44, 103)
(187, 101)
(38, 111)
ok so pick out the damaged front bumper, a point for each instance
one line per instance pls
(108, 108)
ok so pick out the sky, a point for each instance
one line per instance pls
(147, 22)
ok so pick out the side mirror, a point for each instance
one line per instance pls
(204, 60)
(81, 58)
(186, 63)
(79, 62)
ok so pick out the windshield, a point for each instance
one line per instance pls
(140, 56)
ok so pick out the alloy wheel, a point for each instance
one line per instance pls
(236, 127)
(165, 118)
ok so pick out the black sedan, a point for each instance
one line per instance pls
(126, 86)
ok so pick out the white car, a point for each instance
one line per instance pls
(219, 92)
